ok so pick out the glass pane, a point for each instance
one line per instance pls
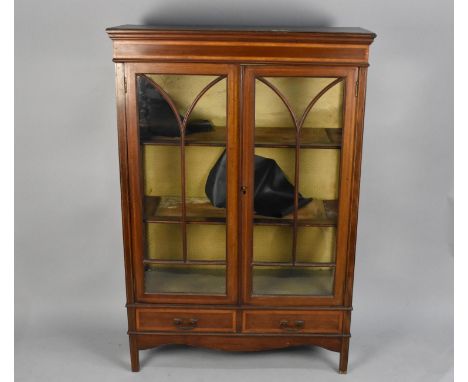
(293, 281)
(319, 173)
(206, 242)
(184, 181)
(192, 279)
(272, 244)
(316, 244)
(163, 241)
(199, 162)
(162, 181)
(328, 110)
(295, 194)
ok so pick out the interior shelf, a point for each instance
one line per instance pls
(187, 262)
(289, 264)
(216, 137)
(168, 209)
(264, 137)
(318, 213)
(309, 138)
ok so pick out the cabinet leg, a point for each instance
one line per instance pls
(134, 354)
(344, 355)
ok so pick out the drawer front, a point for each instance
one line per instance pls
(185, 320)
(290, 322)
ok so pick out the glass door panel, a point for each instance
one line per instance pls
(182, 126)
(298, 122)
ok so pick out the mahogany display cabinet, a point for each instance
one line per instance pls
(240, 155)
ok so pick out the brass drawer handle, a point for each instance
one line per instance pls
(296, 327)
(185, 324)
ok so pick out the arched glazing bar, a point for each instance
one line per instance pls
(298, 124)
(182, 124)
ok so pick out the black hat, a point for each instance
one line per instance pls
(273, 194)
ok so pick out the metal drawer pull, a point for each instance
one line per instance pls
(185, 324)
(297, 326)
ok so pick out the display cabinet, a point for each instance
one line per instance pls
(240, 153)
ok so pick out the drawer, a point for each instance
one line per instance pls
(185, 320)
(292, 321)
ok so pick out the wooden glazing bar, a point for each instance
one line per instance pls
(286, 264)
(299, 125)
(185, 262)
(296, 160)
(316, 98)
(321, 138)
(180, 123)
(200, 220)
(184, 202)
(296, 195)
(290, 223)
(183, 178)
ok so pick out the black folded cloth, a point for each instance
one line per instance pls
(156, 116)
(273, 194)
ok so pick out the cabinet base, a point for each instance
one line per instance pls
(237, 342)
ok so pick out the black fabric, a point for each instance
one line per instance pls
(273, 194)
(215, 187)
(156, 116)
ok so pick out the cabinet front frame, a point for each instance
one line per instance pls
(135, 176)
(250, 73)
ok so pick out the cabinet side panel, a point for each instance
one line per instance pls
(123, 164)
(355, 183)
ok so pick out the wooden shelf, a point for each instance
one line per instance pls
(286, 137)
(289, 264)
(217, 137)
(168, 209)
(318, 213)
(187, 262)
(264, 137)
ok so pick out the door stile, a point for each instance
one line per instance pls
(248, 123)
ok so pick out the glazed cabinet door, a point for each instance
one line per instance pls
(298, 140)
(181, 121)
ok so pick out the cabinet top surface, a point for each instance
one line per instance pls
(240, 29)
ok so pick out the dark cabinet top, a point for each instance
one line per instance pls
(223, 28)
(151, 43)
